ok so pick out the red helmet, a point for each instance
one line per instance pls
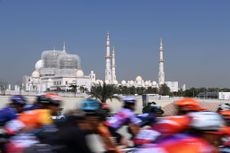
(172, 124)
(189, 104)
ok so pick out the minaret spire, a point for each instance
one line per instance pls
(113, 66)
(108, 74)
(161, 64)
(64, 47)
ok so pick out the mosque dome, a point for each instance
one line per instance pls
(154, 83)
(79, 73)
(131, 82)
(69, 61)
(138, 78)
(39, 64)
(147, 83)
(123, 82)
(50, 58)
(115, 82)
(35, 74)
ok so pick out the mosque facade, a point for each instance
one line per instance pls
(110, 71)
(57, 70)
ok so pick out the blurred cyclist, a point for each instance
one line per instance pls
(41, 117)
(96, 117)
(125, 116)
(203, 136)
(17, 102)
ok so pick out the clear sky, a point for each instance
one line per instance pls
(196, 37)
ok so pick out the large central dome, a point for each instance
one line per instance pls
(69, 61)
(50, 58)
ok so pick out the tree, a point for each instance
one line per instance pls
(164, 90)
(73, 88)
(151, 90)
(140, 90)
(83, 89)
(103, 92)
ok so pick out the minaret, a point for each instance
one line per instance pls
(113, 67)
(161, 65)
(64, 47)
(108, 76)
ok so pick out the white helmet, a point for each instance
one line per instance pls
(206, 121)
(224, 106)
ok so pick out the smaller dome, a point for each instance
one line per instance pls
(79, 73)
(138, 78)
(115, 82)
(106, 81)
(147, 83)
(123, 82)
(39, 64)
(131, 82)
(35, 74)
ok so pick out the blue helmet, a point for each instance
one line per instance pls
(18, 100)
(129, 99)
(90, 105)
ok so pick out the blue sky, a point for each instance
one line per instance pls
(196, 37)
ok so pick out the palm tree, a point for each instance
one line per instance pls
(103, 92)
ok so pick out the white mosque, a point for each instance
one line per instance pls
(110, 72)
(58, 69)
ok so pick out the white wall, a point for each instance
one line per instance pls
(224, 95)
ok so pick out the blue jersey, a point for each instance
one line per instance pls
(7, 114)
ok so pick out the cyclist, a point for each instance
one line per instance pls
(201, 136)
(37, 118)
(125, 116)
(96, 117)
(17, 102)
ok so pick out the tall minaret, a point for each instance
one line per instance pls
(64, 47)
(108, 74)
(161, 65)
(114, 79)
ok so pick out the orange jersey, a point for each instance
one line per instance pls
(36, 118)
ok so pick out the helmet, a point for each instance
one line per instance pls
(49, 98)
(129, 99)
(90, 105)
(154, 108)
(188, 104)
(172, 124)
(206, 121)
(225, 106)
(18, 100)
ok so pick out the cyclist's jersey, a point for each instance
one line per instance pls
(146, 136)
(7, 114)
(36, 118)
(123, 117)
(180, 143)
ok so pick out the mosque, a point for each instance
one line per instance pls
(58, 69)
(110, 72)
